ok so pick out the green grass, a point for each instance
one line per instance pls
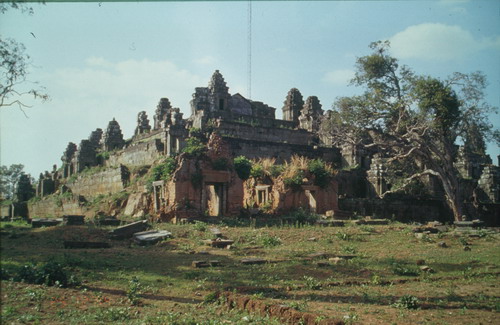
(157, 284)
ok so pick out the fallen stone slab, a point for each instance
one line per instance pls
(216, 232)
(376, 222)
(129, 230)
(85, 244)
(219, 243)
(109, 222)
(200, 264)
(346, 257)
(74, 220)
(330, 223)
(151, 237)
(318, 255)
(253, 261)
(427, 229)
(44, 222)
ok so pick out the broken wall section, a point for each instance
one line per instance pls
(97, 181)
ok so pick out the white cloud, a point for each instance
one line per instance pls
(86, 98)
(433, 41)
(339, 77)
(206, 60)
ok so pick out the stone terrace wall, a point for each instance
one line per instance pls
(137, 154)
(104, 182)
(401, 210)
(281, 151)
(267, 134)
(56, 208)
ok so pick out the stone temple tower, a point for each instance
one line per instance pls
(219, 93)
(113, 137)
(293, 105)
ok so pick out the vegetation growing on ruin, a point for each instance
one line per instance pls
(194, 147)
(243, 167)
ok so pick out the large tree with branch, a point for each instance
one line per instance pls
(411, 118)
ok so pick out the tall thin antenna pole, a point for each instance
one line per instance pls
(249, 57)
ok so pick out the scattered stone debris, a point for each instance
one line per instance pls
(317, 255)
(109, 221)
(427, 269)
(216, 232)
(219, 243)
(44, 222)
(74, 220)
(129, 230)
(425, 229)
(151, 237)
(468, 225)
(371, 222)
(330, 223)
(251, 261)
(312, 239)
(85, 244)
(442, 244)
(200, 264)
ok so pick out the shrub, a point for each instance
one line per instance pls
(302, 216)
(294, 182)
(134, 290)
(243, 167)
(407, 302)
(164, 170)
(257, 170)
(321, 171)
(401, 269)
(194, 147)
(50, 273)
(270, 241)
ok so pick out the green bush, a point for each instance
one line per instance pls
(294, 182)
(243, 167)
(194, 147)
(257, 171)
(50, 273)
(404, 270)
(270, 241)
(301, 216)
(407, 302)
(321, 173)
(164, 170)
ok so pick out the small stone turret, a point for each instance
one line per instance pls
(95, 137)
(67, 157)
(113, 138)
(85, 157)
(142, 123)
(310, 114)
(293, 105)
(219, 92)
(162, 113)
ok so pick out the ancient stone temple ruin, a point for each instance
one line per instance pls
(199, 154)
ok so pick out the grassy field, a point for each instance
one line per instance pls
(355, 274)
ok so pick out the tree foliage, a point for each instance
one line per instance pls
(406, 117)
(9, 177)
(14, 69)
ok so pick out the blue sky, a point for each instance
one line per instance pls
(105, 60)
